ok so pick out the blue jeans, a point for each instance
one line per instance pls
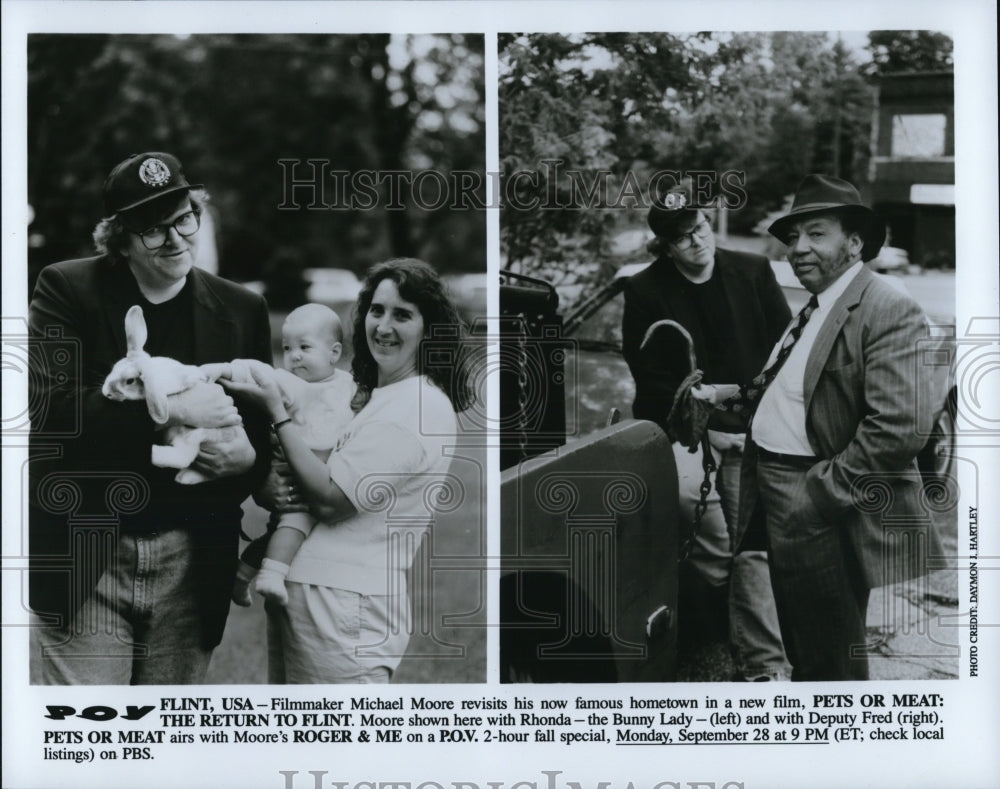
(140, 626)
(754, 634)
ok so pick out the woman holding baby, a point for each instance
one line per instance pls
(347, 619)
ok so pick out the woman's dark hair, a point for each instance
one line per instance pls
(420, 285)
(111, 233)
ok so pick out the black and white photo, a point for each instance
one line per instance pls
(500, 395)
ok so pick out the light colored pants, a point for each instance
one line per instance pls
(141, 626)
(754, 634)
(333, 636)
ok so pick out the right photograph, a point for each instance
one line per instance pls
(727, 335)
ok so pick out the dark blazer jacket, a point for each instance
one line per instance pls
(90, 474)
(866, 392)
(759, 314)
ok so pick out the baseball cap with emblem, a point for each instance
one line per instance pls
(142, 178)
(675, 211)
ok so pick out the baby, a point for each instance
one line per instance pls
(318, 397)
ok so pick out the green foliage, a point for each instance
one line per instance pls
(232, 106)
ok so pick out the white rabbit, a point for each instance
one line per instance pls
(140, 376)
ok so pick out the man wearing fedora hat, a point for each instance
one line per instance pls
(129, 571)
(834, 435)
(734, 311)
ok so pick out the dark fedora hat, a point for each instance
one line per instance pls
(142, 178)
(824, 194)
(674, 212)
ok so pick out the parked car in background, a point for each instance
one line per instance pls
(890, 259)
(331, 285)
(596, 324)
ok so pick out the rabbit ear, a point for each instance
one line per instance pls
(156, 393)
(135, 330)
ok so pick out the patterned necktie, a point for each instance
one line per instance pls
(748, 396)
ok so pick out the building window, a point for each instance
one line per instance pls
(918, 136)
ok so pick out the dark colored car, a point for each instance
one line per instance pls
(589, 582)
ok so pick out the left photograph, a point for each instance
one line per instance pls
(256, 344)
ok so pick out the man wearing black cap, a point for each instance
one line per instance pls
(734, 310)
(130, 572)
(835, 435)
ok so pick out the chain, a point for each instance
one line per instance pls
(708, 464)
(522, 385)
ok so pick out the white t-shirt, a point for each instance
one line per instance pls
(322, 408)
(390, 462)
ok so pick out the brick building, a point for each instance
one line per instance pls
(912, 172)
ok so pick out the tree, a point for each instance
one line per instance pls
(232, 107)
(895, 51)
(762, 107)
(577, 116)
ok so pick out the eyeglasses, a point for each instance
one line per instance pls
(186, 225)
(700, 231)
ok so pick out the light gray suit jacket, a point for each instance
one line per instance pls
(865, 393)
